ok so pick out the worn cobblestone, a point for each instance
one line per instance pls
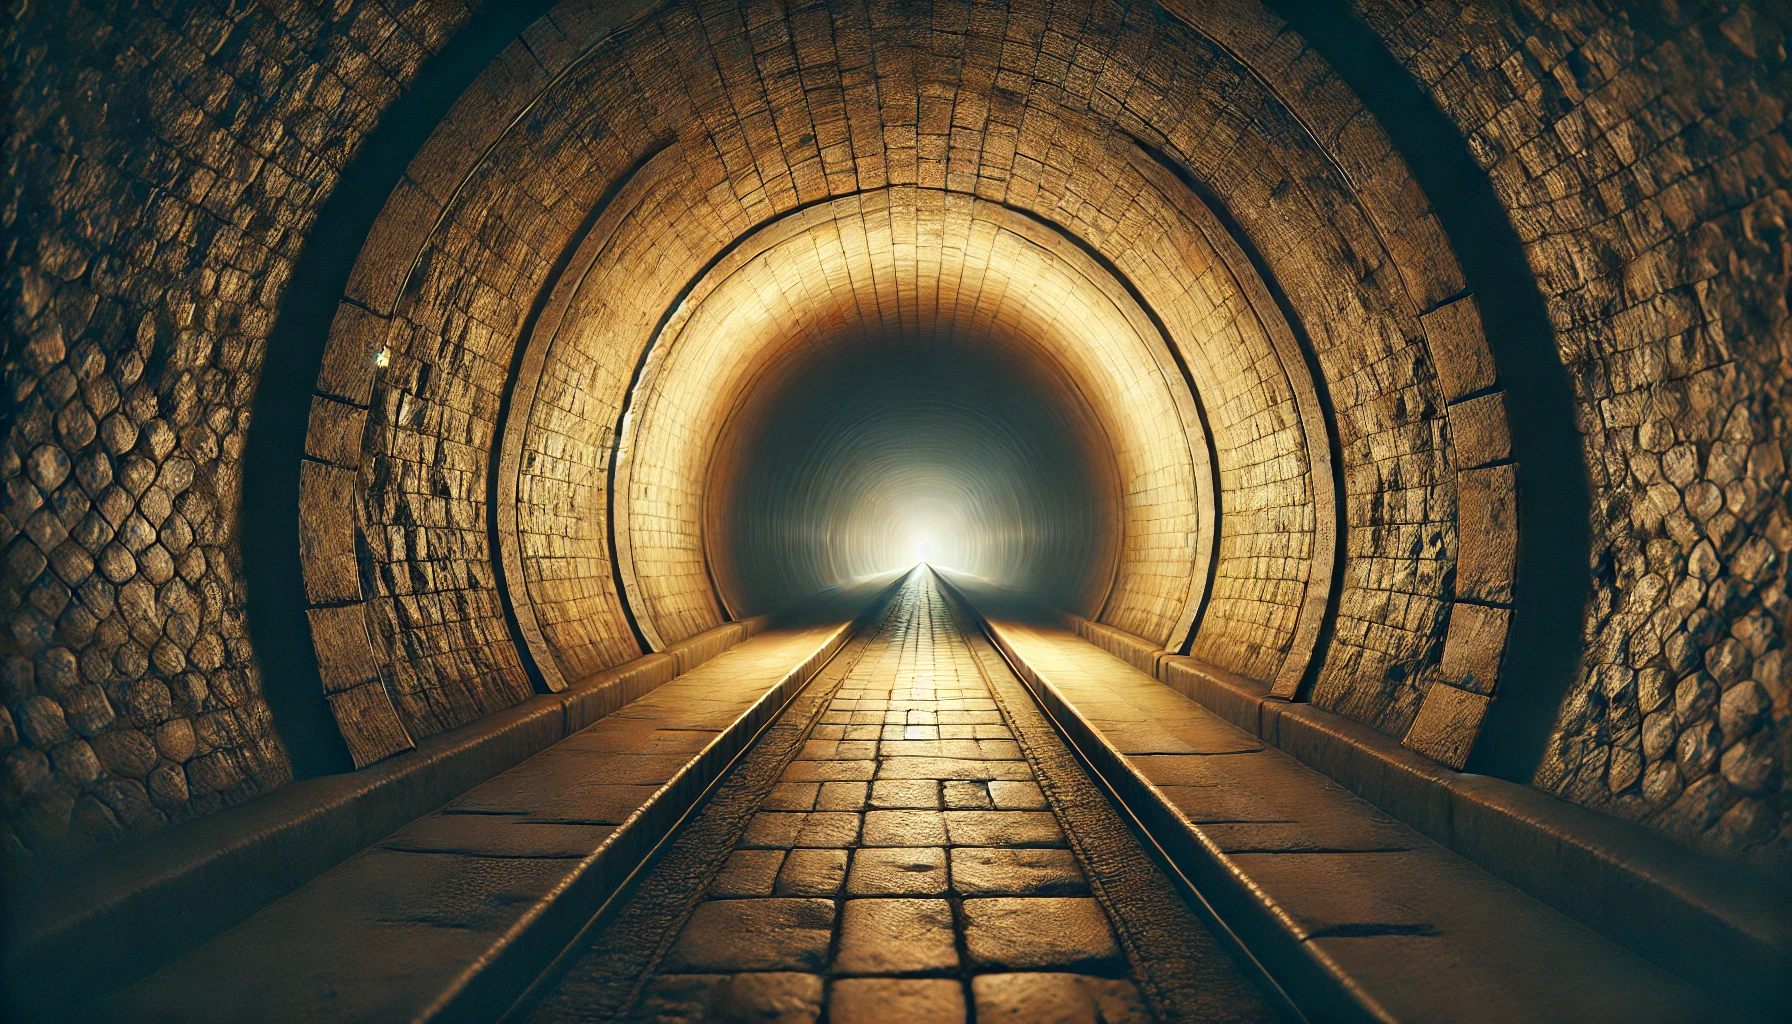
(904, 911)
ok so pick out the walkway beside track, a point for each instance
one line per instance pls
(912, 843)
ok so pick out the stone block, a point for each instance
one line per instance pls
(1487, 538)
(840, 796)
(724, 936)
(382, 275)
(1447, 723)
(334, 432)
(791, 796)
(905, 828)
(1475, 647)
(1017, 796)
(896, 936)
(344, 654)
(896, 794)
(1040, 933)
(903, 871)
(1478, 431)
(348, 369)
(1016, 872)
(1459, 349)
(896, 1001)
(369, 723)
(968, 796)
(1003, 828)
(812, 873)
(773, 997)
(1056, 999)
(327, 533)
(747, 873)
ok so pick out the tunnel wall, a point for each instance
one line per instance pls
(162, 173)
(1390, 638)
(167, 172)
(956, 271)
(1643, 154)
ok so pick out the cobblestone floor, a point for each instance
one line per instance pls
(904, 865)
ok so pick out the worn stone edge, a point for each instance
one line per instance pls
(1695, 917)
(104, 922)
(1683, 912)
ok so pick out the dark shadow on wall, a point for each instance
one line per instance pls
(1554, 505)
(276, 439)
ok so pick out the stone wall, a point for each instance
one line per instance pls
(162, 171)
(1252, 220)
(1643, 152)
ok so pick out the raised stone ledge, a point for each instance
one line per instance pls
(1724, 926)
(336, 940)
(1720, 926)
(100, 923)
(1136, 651)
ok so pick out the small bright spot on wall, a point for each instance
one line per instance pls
(382, 358)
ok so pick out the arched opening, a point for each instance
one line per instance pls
(873, 455)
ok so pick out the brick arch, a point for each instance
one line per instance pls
(984, 276)
(1117, 206)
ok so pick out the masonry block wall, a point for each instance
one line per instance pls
(1643, 153)
(162, 171)
(639, 211)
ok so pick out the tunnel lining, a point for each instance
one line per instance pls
(799, 223)
(533, 350)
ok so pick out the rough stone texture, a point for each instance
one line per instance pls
(1643, 153)
(162, 170)
(896, 1001)
(771, 998)
(755, 935)
(1244, 398)
(1056, 999)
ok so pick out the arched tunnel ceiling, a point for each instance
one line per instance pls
(726, 194)
(896, 266)
(1176, 228)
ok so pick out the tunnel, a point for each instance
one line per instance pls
(875, 456)
(870, 510)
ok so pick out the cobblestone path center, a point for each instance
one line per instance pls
(905, 864)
